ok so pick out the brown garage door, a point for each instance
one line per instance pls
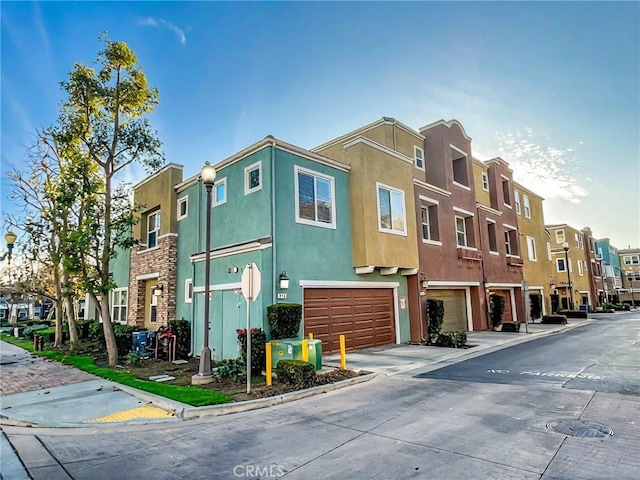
(364, 316)
(455, 309)
(507, 315)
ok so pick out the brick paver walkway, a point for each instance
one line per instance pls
(22, 372)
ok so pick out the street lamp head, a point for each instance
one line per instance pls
(208, 173)
(10, 238)
(565, 246)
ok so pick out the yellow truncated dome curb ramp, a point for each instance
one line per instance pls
(146, 411)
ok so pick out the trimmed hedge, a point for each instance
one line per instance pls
(296, 372)
(555, 319)
(258, 348)
(573, 313)
(511, 327)
(435, 314)
(284, 320)
(451, 339)
(182, 330)
(496, 304)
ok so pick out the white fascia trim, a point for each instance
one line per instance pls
(432, 242)
(147, 276)
(490, 220)
(219, 287)
(168, 235)
(405, 272)
(446, 124)
(508, 206)
(473, 249)
(510, 227)
(250, 247)
(502, 285)
(146, 250)
(491, 252)
(402, 126)
(388, 270)
(460, 185)
(459, 150)
(504, 177)
(432, 188)
(377, 146)
(364, 270)
(490, 210)
(535, 287)
(342, 138)
(444, 283)
(315, 157)
(427, 199)
(346, 284)
(464, 212)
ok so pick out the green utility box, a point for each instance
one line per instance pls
(291, 349)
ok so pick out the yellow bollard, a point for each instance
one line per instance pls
(268, 364)
(305, 351)
(311, 336)
(343, 354)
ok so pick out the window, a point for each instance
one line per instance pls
(153, 308)
(511, 241)
(188, 290)
(183, 207)
(3, 313)
(391, 212)
(631, 259)
(505, 192)
(429, 217)
(459, 159)
(516, 196)
(82, 309)
(576, 237)
(418, 156)
(527, 206)
(485, 182)
(493, 241)
(560, 265)
(580, 268)
(461, 232)
(314, 199)
(153, 229)
(220, 192)
(599, 256)
(253, 178)
(560, 236)
(531, 249)
(119, 305)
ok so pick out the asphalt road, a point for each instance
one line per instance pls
(603, 356)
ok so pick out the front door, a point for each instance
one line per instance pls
(150, 305)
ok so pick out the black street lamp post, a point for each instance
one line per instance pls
(204, 375)
(565, 246)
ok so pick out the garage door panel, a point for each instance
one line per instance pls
(364, 316)
(455, 309)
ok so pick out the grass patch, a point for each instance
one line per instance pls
(194, 396)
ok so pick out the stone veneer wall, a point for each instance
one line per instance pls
(161, 260)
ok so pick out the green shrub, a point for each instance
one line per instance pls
(511, 327)
(296, 372)
(96, 332)
(229, 368)
(83, 329)
(435, 316)
(134, 359)
(28, 332)
(284, 320)
(555, 319)
(123, 334)
(451, 339)
(182, 330)
(496, 304)
(258, 348)
(573, 313)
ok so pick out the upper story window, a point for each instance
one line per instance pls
(418, 156)
(527, 206)
(631, 259)
(183, 208)
(511, 240)
(429, 217)
(253, 178)
(188, 290)
(460, 175)
(493, 239)
(153, 229)
(580, 268)
(461, 232)
(220, 192)
(561, 266)
(560, 236)
(531, 249)
(315, 194)
(391, 210)
(579, 241)
(485, 181)
(506, 187)
(516, 196)
(549, 256)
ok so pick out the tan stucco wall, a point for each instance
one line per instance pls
(580, 282)
(156, 192)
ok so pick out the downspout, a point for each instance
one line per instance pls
(193, 270)
(484, 278)
(273, 222)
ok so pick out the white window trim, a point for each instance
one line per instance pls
(184, 200)
(432, 242)
(526, 206)
(464, 187)
(485, 181)
(493, 252)
(463, 212)
(334, 208)
(455, 225)
(417, 149)
(564, 238)
(558, 260)
(248, 169)
(112, 304)
(188, 283)
(156, 229)
(534, 257)
(404, 210)
(516, 199)
(223, 181)
(580, 268)
(425, 208)
(549, 252)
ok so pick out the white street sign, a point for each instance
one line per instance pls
(251, 282)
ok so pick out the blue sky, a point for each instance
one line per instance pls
(551, 87)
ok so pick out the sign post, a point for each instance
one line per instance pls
(251, 283)
(526, 304)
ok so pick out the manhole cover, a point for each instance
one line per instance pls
(580, 428)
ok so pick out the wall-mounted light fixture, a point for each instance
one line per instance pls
(424, 283)
(284, 281)
(157, 291)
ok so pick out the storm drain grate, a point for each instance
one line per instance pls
(579, 428)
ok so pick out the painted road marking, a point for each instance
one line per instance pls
(552, 374)
(497, 371)
(146, 411)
